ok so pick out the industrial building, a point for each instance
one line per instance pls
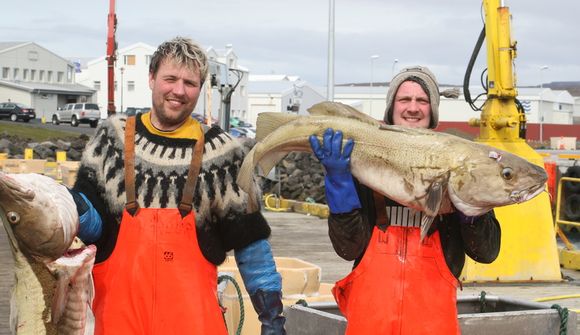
(39, 78)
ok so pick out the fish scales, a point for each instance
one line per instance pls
(428, 171)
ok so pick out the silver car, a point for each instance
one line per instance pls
(77, 113)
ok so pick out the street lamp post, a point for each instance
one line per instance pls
(393, 69)
(330, 75)
(373, 57)
(122, 70)
(540, 111)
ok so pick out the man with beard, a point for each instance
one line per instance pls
(156, 193)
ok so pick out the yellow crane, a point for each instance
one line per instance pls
(528, 244)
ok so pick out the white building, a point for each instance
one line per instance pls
(132, 80)
(39, 78)
(225, 68)
(576, 110)
(556, 106)
(284, 94)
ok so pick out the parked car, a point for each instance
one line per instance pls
(235, 132)
(200, 118)
(248, 132)
(77, 113)
(130, 111)
(16, 111)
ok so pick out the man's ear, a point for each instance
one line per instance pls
(151, 80)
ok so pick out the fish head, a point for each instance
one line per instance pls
(33, 216)
(490, 178)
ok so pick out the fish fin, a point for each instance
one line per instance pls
(270, 160)
(61, 290)
(432, 206)
(327, 108)
(426, 222)
(269, 121)
(434, 199)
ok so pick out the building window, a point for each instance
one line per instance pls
(129, 59)
(97, 85)
(69, 73)
(15, 74)
(41, 75)
(33, 55)
(130, 86)
(60, 76)
(5, 72)
(49, 76)
(25, 74)
(148, 59)
(32, 75)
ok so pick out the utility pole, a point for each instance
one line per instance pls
(330, 78)
(111, 57)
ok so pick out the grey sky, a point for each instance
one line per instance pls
(290, 37)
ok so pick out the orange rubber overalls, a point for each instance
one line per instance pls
(157, 281)
(401, 285)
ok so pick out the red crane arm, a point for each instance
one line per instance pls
(111, 57)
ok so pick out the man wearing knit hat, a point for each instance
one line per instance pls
(399, 285)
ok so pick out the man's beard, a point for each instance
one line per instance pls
(168, 120)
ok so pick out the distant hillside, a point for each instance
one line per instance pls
(571, 86)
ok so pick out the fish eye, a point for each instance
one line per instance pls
(507, 173)
(13, 217)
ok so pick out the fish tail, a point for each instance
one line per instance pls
(270, 121)
(245, 179)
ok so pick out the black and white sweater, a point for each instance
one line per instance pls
(161, 166)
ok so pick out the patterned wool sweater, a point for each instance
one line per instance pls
(161, 166)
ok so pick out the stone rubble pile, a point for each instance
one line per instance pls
(14, 147)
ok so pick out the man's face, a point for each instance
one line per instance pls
(176, 89)
(411, 107)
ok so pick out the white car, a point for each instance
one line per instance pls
(77, 113)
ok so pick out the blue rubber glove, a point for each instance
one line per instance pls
(90, 223)
(341, 194)
(264, 284)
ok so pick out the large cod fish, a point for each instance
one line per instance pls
(428, 171)
(53, 284)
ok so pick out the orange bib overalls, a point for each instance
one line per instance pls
(157, 281)
(401, 286)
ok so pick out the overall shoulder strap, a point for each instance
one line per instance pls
(132, 206)
(186, 204)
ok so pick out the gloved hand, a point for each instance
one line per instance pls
(341, 194)
(268, 305)
(90, 224)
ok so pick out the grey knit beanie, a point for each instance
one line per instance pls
(423, 77)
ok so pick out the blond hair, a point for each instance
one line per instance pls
(183, 51)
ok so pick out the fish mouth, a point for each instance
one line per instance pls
(526, 194)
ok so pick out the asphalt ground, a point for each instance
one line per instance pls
(306, 237)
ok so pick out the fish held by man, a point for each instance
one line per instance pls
(53, 284)
(429, 171)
